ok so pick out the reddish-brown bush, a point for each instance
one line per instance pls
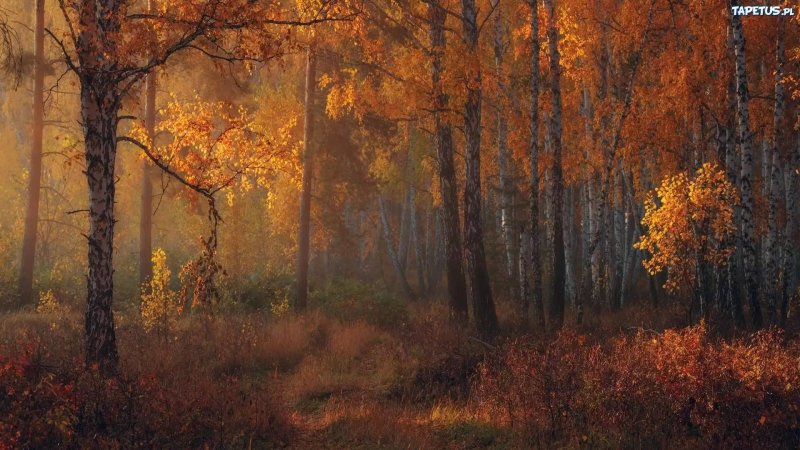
(71, 407)
(649, 390)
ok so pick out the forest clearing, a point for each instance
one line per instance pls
(399, 224)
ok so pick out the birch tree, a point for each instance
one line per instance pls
(108, 49)
(746, 175)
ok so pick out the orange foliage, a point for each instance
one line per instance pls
(689, 221)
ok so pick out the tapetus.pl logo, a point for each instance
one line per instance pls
(762, 11)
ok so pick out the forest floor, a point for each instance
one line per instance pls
(406, 379)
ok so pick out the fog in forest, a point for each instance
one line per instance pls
(399, 224)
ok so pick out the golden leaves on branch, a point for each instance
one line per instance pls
(214, 146)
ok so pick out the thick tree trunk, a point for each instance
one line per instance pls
(558, 284)
(483, 304)
(100, 100)
(533, 150)
(99, 110)
(456, 283)
(304, 233)
(146, 200)
(746, 176)
(35, 174)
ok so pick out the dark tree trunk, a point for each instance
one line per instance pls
(35, 175)
(483, 304)
(304, 233)
(559, 265)
(533, 150)
(456, 284)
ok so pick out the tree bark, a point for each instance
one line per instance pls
(792, 182)
(100, 100)
(456, 283)
(733, 165)
(558, 284)
(776, 175)
(304, 233)
(533, 151)
(35, 173)
(746, 176)
(483, 304)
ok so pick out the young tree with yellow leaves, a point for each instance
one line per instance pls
(689, 225)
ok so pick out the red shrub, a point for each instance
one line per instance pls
(648, 390)
(48, 407)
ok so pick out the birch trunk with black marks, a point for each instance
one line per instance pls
(100, 100)
(733, 165)
(746, 175)
(304, 233)
(477, 271)
(35, 172)
(456, 283)
(558, 284)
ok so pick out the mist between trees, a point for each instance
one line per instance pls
(520, 174)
